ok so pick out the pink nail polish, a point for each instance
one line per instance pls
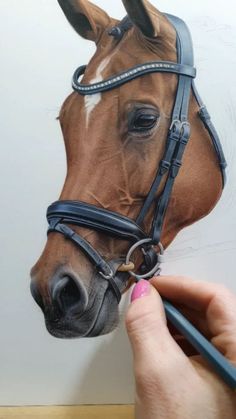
(141, 289)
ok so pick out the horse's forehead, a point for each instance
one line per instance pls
(115, 60)
(91, 101)
(109, 57)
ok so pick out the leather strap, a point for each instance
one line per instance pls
(206, 119)
(92, 254)
(98, 261)
(178, 135)
(164, 167)
(162, 202)
(87, 215)
(128, 75)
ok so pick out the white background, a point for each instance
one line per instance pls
(39, 52)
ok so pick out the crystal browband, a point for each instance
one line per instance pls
(124, 77)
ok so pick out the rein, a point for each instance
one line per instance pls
(61, 213)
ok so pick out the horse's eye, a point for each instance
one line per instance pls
(143, 121)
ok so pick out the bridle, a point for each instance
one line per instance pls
(61, 213)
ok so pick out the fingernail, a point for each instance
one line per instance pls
(141, 289)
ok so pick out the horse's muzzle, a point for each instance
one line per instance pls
(71, 312)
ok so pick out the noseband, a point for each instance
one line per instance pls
(61, 213)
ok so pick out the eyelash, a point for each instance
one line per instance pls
(135, 123)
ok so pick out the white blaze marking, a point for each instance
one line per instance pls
(91, 101)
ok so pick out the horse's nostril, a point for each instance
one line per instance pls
(36, 295)
(69, 295)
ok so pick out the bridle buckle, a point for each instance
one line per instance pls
(107, 276)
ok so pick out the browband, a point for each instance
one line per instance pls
(131, 74)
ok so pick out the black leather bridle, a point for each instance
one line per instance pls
(61, 213)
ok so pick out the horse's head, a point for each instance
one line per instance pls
(114, 142)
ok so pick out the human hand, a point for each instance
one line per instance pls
(172, 382)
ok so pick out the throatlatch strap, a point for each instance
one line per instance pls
(206, 119)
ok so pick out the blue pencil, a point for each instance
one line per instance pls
(219, 363)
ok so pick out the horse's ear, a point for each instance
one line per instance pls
(146, 17)
(88, 20)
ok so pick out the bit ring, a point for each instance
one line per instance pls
(154, 270)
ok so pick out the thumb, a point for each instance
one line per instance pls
(157, 357)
